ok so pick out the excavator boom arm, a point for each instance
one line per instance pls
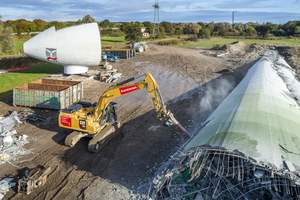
(143, 82)
(146, 82)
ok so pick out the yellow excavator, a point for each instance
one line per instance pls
(99, 121)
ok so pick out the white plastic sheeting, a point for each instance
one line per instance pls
(261, 117)
(73, 46)
(11, 144)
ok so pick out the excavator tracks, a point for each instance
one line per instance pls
(99, 140)
(73, 138)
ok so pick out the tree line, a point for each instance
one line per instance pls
(200, 29)
(131, 30)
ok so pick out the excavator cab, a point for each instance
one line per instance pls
(110, 115)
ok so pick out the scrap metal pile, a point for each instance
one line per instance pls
(11, 144)
(5, 185)
(108, 74)
(216, 173)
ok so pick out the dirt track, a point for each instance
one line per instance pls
(192, 83)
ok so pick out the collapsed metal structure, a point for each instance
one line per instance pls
(248, 148)
(215, 173)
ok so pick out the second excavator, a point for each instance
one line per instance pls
(99, 121)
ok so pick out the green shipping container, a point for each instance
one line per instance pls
(48, 93)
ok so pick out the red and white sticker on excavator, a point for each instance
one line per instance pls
(128, 89)
(66, 121)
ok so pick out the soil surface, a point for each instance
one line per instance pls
(192, 82)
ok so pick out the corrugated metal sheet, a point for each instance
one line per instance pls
(48, 93)
(260, 118)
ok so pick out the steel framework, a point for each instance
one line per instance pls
(156, 22)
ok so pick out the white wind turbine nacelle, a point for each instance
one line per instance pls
(75, 47)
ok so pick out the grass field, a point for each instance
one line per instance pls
(10, 80)
(209, 43)
(112, 41)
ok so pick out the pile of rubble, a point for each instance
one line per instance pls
(108, 74)
(11, 144)
(140, 47)
(5, 185)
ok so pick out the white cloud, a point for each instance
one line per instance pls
(136, 9)
(12, 13)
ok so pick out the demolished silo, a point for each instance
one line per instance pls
(249, 147)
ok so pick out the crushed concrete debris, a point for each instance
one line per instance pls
(109, 76)
(11, 144)
(5, 185)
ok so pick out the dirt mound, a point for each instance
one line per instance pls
(190, 62)
(236, 48)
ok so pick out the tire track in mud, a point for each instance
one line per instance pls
(66, 186)
(81, 195)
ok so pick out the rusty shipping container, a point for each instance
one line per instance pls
(48, 93)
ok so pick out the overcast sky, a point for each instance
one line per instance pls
(278, 11)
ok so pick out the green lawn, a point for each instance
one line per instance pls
(10, 80)
(112, 41)
(209, 43)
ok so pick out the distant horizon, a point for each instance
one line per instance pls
(256, 11)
